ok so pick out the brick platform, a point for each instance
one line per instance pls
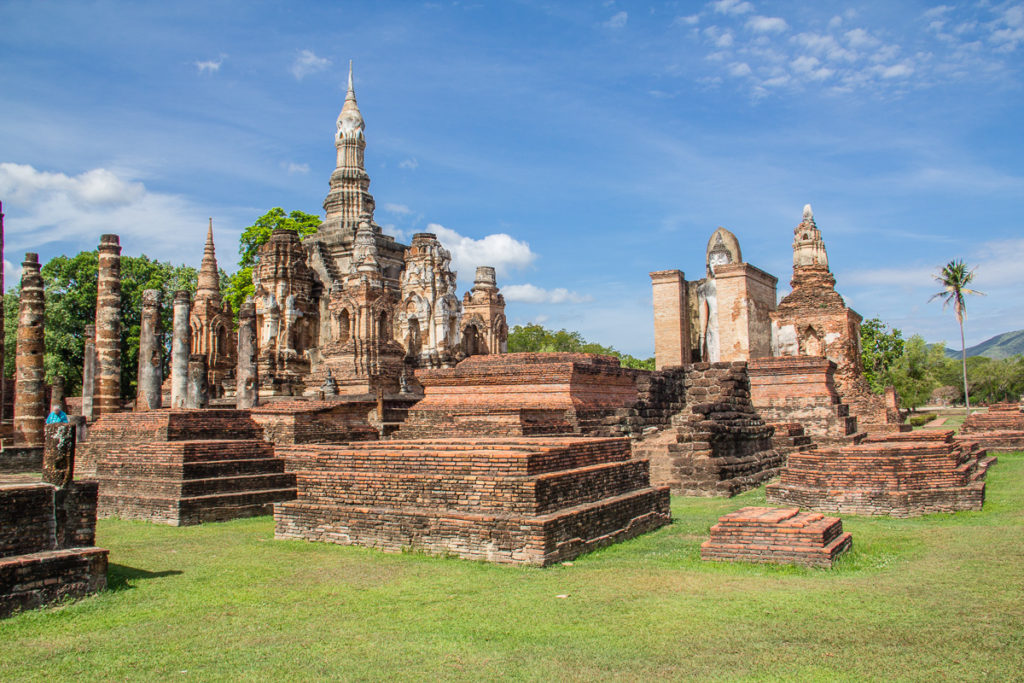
(900, 475)
(718, 444)
(46, 544)
(520, 394)
(183, 467)
(801, 389)
(1000, 430)
(20, 459)
(528, 501)
(777, 536)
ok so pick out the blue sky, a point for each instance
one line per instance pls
(576, 146)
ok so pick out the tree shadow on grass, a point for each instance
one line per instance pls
(120, 577)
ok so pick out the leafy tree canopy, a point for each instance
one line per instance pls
(880, 347)
(238, 286)
(538, 339)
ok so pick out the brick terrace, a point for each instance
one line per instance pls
(511, 500)
(901, 475)
(1000, 430)
(777, 536)
(151, 466)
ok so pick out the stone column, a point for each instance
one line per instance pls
(59, 454)
(181, 345)
(89, 372)
(29, 374)
(151, 374)
(108, 327)
(247, 393)
(198, 395)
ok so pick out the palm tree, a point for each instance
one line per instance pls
(954, 279)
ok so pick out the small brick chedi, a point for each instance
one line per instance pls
(1000, 430)
(352, 305)
(777, 536)
(47, 532)
(900, 475)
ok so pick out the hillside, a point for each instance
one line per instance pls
(1000, 346)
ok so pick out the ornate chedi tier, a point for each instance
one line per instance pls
(484, 326)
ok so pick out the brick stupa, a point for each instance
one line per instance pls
(900, 475)
(777, 536)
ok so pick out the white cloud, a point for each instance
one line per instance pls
(767, 24)
(617, 21)
(294, 168)
(307, 63)
(858, 37)
(719, 37)
(689, 20)
(44, 207)
(731, 7)
(210, 65)
(739, 69)
(409, 164)
(500, 250)
(532, 294)
(400, 209)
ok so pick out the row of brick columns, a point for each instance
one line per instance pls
(101, 371)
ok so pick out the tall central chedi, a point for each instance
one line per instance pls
(351, 303)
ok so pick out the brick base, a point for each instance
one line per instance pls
(900, 475)
(777, 536)
(20, 459)
(185, 467)
(518, 501)
(37, 579)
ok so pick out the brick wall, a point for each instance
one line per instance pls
(298, 422)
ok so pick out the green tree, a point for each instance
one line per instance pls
(239, 285)
(537, 339)
(913, 374)
(954, 279)
(881, 347)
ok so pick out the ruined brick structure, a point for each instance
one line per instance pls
(532, 501)
(212, 328)
(900, 475)
(183, 467)
(813, 320)
(1000, 430)
(287, 423)
(48, 531)
(349, 305)
(777, 536)
(3, 289)
(801, 390)
(717, 444)
(722, 317)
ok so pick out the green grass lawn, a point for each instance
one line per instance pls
(932, 598)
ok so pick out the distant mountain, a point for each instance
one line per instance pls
(1000, 346)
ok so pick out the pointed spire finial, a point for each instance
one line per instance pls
(350, 121)
(808, 213)
(351, 89)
